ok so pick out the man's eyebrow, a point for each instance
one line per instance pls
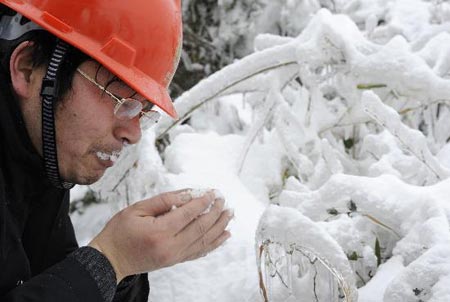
(148, 106)
(114, 79)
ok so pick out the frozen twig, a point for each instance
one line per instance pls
(223, 80)
(313, 258)
(378, 222)
(310, 254)
(260, 274)
(279, 227)
(413, 140)
(262, 119)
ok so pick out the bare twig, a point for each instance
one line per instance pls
(261, 280)
(339, 278)
(378, 222)
(315, 284)
(360, 277)
(189, 33)
(124, 176)
(407, 110)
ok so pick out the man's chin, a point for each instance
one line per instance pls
(86, 179)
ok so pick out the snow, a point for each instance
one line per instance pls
(331, 145)
(209, 160)
(373, 292)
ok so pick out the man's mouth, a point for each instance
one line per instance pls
(109, 156)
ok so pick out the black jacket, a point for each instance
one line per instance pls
(39, 256)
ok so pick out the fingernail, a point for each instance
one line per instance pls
(230, 213)
(208, 209)
(218, 194)
(219, 201)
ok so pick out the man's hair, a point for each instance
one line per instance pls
(42, 49)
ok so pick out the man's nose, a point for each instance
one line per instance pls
(129, 130)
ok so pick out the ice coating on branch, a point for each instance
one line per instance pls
(223, 81)
(264, 41)
(298, 234)
(412, 139)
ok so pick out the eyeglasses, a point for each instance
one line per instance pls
(129, 108)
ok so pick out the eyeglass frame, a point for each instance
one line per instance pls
(151, 115)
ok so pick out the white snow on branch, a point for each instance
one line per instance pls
(411, 139)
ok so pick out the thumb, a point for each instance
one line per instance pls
(163, 203)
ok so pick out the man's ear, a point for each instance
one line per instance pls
(21, 69)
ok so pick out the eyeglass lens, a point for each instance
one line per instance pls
(149, 119)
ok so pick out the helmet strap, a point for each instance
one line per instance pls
(49, 94)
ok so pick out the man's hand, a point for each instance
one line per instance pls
(162, 231)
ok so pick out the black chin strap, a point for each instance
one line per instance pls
(49, 93)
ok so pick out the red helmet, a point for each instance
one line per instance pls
(137, 40)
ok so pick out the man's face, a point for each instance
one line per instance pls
(88, 134)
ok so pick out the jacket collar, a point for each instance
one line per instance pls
(23, 182)
(16, 145)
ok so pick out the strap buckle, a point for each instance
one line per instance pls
(48, 88)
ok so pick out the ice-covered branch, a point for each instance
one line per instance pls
(295, 232)
(412, 139)
(273, 99)
(225, 79)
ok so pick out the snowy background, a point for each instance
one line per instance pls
(325, 124)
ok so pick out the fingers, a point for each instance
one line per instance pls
(224, 236)
(187, 212)
(202, 225)
(211, 239)
(163, 203)
(167, 229)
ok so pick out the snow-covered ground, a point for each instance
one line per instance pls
(331, 147)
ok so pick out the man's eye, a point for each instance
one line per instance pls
(117, 86)
(117, 96)
(147, 106)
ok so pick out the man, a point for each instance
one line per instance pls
(78, 78)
